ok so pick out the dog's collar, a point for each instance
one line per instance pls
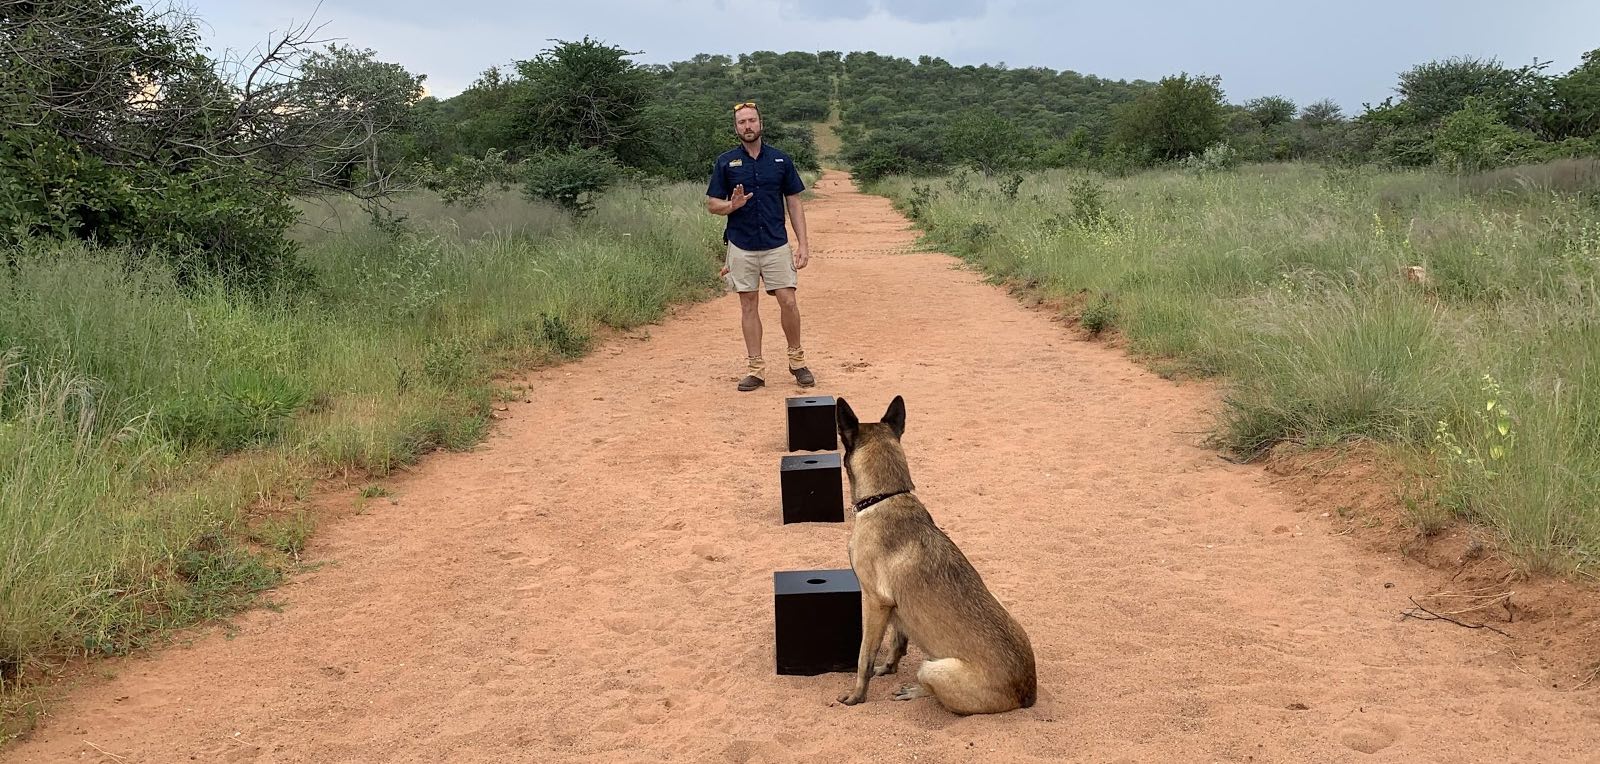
(865, 504)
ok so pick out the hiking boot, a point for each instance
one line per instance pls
(755, 372)
(797, 367)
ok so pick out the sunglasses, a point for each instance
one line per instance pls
(751, 104)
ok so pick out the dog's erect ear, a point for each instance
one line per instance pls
(895, 417)
(849, 425)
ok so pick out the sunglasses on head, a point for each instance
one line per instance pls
(751, 104)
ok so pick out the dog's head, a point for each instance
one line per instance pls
(872, 450)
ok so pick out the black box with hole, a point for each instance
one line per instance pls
(812, 426)
(813, 488)
(816, 620)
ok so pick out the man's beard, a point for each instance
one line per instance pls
(750, 137)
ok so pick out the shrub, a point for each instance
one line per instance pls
(1217, 157)
(572, 179)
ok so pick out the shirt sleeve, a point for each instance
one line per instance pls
(718, 187)
(792, 184)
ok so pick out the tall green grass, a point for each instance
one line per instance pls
(143, 428)
(1287, 281)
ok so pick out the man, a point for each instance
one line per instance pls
(753, 185)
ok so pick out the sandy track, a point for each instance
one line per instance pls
(593, 584)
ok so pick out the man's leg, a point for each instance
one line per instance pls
(750, 320)
(789, 313)
(744, 277)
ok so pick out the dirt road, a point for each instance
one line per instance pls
(594, 583)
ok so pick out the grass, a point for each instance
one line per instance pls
(155, 442)
(1288, 283)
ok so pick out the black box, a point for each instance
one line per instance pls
(813, 488)
(816, 620)
(812, 426)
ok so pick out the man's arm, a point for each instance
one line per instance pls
(797, 217)
(726, 206)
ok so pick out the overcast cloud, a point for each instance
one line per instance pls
(1349, 51)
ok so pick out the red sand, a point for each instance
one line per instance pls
(593, 584)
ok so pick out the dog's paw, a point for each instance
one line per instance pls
(910, 691)
(851, 698)
(885, 669)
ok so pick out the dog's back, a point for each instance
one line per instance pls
(979, 658)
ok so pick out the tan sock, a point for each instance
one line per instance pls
(756, 367)
(797, 358)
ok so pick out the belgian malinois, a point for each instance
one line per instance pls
(917, 585)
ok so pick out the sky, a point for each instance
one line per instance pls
(1350, 51)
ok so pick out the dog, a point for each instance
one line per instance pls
(918, 586)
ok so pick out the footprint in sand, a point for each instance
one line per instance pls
(652, 713)
(520, 512)
(1368, 735)
(754, 752)
(623, 623)
(709, 552)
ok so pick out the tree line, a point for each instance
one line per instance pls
(120, 130)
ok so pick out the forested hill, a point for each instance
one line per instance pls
(908, 106)
(898, 116)
(885, 90)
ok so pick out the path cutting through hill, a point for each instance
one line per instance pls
(594, 583)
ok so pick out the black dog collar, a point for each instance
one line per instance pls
(864, 504)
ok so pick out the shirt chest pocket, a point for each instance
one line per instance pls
(743, 174)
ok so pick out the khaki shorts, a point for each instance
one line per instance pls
(748, 269)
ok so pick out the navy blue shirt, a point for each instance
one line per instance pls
(769, 176)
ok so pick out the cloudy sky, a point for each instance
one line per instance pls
(1349, 50)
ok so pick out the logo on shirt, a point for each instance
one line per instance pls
(779, 159)
(736, 163)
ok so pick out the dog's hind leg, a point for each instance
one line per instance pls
(911, 691)
(962, 689)
(897, 650)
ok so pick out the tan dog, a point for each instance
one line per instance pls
(916, 584)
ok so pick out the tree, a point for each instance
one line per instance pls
(894, 151)
(580, 95)
(483, 117)
(1322, 113)
(376, 96)
(1075, 151)
(115, 129)
(1437, 89)
(1474, 139)
(1271, 110)
(1575, 101)
(1182, 115)
(988, 141)
(684, 136)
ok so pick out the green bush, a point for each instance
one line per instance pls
(1218, 157)
(573, 179)
(1473, 139)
